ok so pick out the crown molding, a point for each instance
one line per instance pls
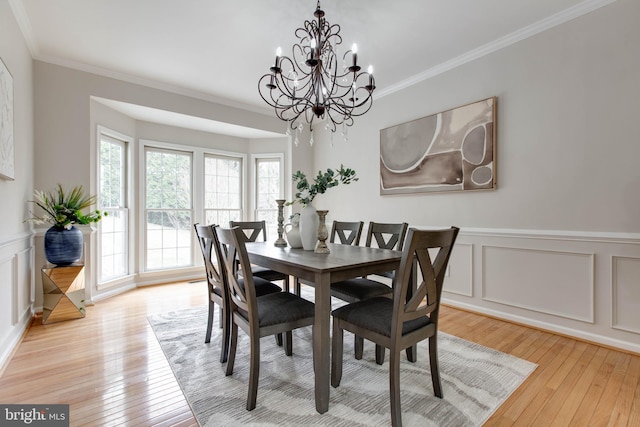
(519, 35)
(17, 7)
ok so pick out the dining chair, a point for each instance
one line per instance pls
(254, 231)
(348, 233)
(216, 286)
(386, 236)
(257, 316)
(401, 322)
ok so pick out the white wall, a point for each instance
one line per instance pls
(15, 236)
(557, 244)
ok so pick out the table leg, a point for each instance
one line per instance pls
(322, 341)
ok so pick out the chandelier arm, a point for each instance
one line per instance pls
(330, 35)
(339, 109)
(332, 77)
(367, 103)
(262, 83)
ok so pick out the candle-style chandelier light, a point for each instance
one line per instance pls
(312, 85)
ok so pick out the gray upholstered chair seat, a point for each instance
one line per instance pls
(375, 315)
(359, 289)
(281, 307)
(263, 287)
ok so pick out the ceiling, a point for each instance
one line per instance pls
(217, 50)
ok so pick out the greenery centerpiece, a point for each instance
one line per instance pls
(62, 209)
(307, 191)
(321, 183)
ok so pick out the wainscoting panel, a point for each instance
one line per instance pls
(23, 262)
(15, 291)
(625, 288)
(552, 282)
(459, 278)
(581, 284)
(7, 295)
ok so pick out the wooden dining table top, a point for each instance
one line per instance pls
(343, 262)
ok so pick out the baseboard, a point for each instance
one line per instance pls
(11, 344)
(548, 327)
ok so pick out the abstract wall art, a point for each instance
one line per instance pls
(6, 123)
(454, 150)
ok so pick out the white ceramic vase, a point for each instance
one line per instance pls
(292, 231)
(309, 227)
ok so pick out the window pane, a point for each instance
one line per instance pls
(113, 229)
(114, 244)
(168, 239)
(222, 189)
(268, 190)
(168, 178)
(168, 201)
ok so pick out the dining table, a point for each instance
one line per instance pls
(321, 270)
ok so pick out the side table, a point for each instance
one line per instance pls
(63, 293)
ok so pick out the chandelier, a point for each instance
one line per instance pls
(311, 85)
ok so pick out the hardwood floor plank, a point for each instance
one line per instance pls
(623, 404)
(563, 383)
(545, 357)
(575, 396)
(111, 370)
(603, 410)
(594, 392)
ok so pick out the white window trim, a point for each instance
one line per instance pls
(131, 232)
(143, 201)
(254, 178)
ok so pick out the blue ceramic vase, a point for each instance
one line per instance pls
(63, 247)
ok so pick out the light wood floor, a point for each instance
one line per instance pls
(111, 370)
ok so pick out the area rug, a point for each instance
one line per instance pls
(476, 380)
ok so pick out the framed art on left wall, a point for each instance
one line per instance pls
(7, 168)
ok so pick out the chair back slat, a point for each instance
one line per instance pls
(425, 294)
(387, 236)
(348, 233)
(206, 241)
(425, 300)
(234, 254)
(251, 230)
